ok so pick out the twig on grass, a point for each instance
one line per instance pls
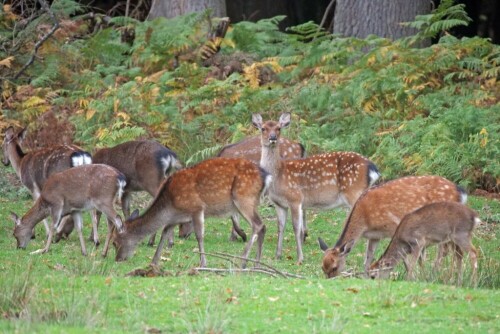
(271, 268)
(237, 270)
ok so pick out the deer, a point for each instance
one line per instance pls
(70, 192)
(214, 187)
(145, 164)
(35, 167)
(378, 212)
(322, 181)
(250, 148)
(435, 223)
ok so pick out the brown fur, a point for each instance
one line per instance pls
(215, 187)
(378, 212)
(436, 223)
(251, 149)
(321, 181)
(72, 191)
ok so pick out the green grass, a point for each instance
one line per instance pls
(64, 292)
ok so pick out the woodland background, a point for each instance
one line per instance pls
(98, 76)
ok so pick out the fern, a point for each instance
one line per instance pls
(445, 17)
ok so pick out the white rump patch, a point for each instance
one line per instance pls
(373, 175)
(77, 160)
(121, 185)
(87, 159)
(477, 221)
(463, 197)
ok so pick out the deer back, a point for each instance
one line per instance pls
(35, 167)
(436, 223)
(216, 187)
(433, 223)
(145, 163)
(82, 187)
(325, 180)
(380, 209)
(250, 148)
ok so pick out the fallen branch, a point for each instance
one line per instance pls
(46, 8)
(237, 270)
(271, 268)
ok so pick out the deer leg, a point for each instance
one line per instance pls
(458, 254)
(77, 218)
(198, 225)
(304, 225)
(473, 262)
(56, 218)
(126, 204)
(96, 216)
(258, 233)
(371, 246)
(164, 236)
(411, 261)
(93, 234)
(111, 228)
(281, 213)
(237, 230)
(298, 230)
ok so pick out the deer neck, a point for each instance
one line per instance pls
(156, 216)
(353, 230)
(37, 213)
(270, 160)
(16, 155)
(396, 250)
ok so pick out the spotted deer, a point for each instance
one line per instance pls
(435, 223)
(70, 192)
(251, 149)
(378, 212)
(214, 187)
(35, 167)
(321, 181)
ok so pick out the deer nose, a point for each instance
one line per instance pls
(273, 138)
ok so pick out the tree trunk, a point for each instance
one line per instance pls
(172, 8)
(360, 18)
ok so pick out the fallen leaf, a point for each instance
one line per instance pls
(353, 290)
(273, 299)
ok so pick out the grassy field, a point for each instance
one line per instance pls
(64, 292)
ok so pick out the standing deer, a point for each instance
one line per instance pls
(442, 222)
(145, 164)
(251, 149)
(214, 187)
(378, 212)
(35, 167)
(321, 181)
(72, 191)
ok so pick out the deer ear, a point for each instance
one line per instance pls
(346, 248)
(9, 133)
(285, 120)
(257, 121)
(134, 214)
(22, 134)
(15, 218)
(322, 245)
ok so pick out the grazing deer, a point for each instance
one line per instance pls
(145, 164)
(72, 191)
(378, 212)
(35, 167)
(251, 149)
(435, 223)
(214, 187)
(321, 181)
